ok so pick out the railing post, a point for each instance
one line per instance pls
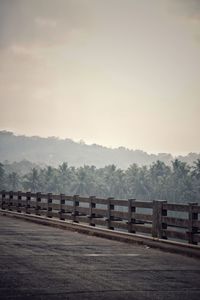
(192, 215)
(3, 197)
(75, 204)
(62, 210)
(10, 200)
(163, 225)
(37, 206)
(109, 213)
(49, 209)
(19, 198)
(91, 206)
(28, 198)
(131, 209)
(157, 224)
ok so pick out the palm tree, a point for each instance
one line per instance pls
(14, 181)
(31, 181)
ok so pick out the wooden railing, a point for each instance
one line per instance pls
(155, 218)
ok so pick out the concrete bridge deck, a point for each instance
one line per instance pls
(41, 262)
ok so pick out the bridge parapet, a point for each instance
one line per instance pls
(157, 218)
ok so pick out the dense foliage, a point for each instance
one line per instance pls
(179, 183)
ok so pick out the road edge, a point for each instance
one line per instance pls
(164, 245)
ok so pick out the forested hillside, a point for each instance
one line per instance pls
(38, 164)
(53, 151)
(178, 183)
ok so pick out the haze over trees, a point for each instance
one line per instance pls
(53, 152)
(178, 183)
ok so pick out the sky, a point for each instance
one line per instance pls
(110, 72)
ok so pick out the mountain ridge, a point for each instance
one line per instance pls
(53, 151)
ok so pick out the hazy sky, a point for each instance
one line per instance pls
(111, 72)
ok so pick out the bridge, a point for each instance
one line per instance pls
(47, 262)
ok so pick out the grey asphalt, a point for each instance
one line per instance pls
(41, 262)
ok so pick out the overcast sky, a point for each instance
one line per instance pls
(111, 72)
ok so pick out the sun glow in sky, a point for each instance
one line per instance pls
(111, 72)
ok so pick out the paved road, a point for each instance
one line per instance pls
(40, 262)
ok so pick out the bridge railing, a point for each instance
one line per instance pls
(156, 218)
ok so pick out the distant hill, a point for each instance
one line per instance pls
(53, 151)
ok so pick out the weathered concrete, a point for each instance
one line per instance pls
(40, 262)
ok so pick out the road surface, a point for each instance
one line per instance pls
(41, 262)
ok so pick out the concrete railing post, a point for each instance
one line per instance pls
(131, 209)
(37, 204)
(3, 197)
(91, 214)
(62, 208)
(193, 216)
(75, 205)
(19, 198)
(157, 224)
(110, 207)
(28, 198)
(49, 208)
(10, 200)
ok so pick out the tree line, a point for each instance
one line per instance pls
(176, 183)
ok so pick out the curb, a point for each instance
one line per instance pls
(164, 245)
